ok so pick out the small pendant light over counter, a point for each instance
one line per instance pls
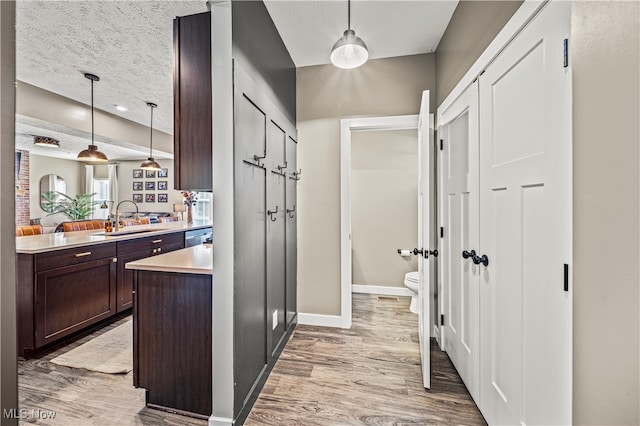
(92, 153)
(150, 163)
(349, 51)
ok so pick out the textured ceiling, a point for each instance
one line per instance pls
(129, 45)
(309, 28)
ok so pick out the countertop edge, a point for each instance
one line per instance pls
(93, 239)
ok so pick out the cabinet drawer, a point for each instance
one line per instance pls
(149, 243)
(73, 256)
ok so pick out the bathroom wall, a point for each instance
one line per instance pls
(384, 205)
(326, 94)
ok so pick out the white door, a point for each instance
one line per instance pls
(459, 204)
(525, 226)
(425, 224)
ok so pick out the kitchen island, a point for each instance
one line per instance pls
(68, 282)
(172, 329)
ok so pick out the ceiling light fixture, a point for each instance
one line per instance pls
(92, 153)
(349, 51)
(46, 142)
(121, 108)
(150, 163)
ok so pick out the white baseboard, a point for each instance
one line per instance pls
(376, 289)
(220, 421)
(320, 320)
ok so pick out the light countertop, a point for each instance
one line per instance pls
(192, 260)
(61, 240)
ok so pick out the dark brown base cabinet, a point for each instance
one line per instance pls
(65, 291)
(131, 250)
(172, 340)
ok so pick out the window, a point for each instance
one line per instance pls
(101, 190)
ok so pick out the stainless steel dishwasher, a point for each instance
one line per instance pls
(197, 236)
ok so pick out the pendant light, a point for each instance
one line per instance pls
(150, 163)
(349, 51)
(92, 153)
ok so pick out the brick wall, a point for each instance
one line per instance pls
(22, 191)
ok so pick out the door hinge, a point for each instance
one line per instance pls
(566, 277)
(441, 232)
(441, 319)
(441, 144)
(565, 54)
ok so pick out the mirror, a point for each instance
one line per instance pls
(50, 185)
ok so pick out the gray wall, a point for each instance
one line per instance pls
(606, 184)
(381, 87)
(473, 26)
(8, 363)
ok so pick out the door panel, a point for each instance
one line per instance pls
(276, 223)
(525, 212)
(460, 189)
(426, 216)
(291, 230)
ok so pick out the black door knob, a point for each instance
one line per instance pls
(417, 252)
(468, 254)
(481, 259)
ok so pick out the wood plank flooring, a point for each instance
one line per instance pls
(368, 375)
(81, 398)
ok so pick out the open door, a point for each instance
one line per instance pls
(426, 217)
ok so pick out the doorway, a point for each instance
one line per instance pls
(347, 129)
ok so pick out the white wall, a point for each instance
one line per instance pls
(384, 205)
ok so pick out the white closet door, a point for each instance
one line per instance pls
(425, 225)
(460, 210)
(525, 217)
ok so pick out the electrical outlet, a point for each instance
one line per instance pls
(275, 319)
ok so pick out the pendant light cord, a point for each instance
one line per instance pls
(92, 141)
(151, 135)
(348, 14)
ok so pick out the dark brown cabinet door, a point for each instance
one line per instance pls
(128, 251)
(71, 298)
(192, 135)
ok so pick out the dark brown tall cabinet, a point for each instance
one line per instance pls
(265, 234)
(192, 95)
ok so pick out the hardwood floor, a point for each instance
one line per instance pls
(368, 375)
(80, 397)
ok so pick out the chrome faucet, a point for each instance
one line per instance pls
(118, 208)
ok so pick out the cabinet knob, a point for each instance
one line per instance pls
(468, 254)
(481, 259)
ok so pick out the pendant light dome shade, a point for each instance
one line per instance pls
(92, 153)
(349, 51)
(150, 163)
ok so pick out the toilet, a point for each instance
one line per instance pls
(411, 281)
